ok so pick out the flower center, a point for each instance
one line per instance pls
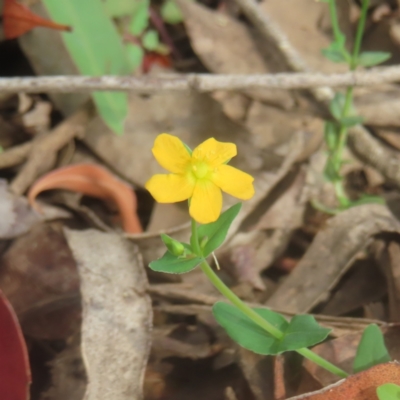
(200, 170)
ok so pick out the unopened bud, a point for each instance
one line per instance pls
(173, 246)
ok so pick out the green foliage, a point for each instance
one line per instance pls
(140, 18)
(371, 58)
(212, 235)
(331, 135)
(171, 264)
(302, 331)
(119, 8)
(336, 53)
(174, 247)
(350, 121)
(171, 13)
(388, 391)
(336, 106)
(135, 55)
(96, 48)
(371, 349)
(150, 40)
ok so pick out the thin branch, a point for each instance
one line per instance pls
(363, 143)
(201, 82)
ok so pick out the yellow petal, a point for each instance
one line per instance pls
(206, 202)
(171, 153)
(170, 188)
(214, 153)
(234, 182)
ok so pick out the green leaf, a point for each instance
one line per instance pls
(388, 391)
(135, 55)
(331, 134)
(371, 349)
(336, 105)
(172, 264)
(331, 171)
(336, 56)
(140, 18)
(150, 40)
(351, 121)
(371, 58)
(119, 8)
(336, 52)
(245, 332)
(96, 48)
(171, 13)
(302, 331)
(215, 233)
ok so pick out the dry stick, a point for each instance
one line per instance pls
(43, 150)
(208, 82)
(365, 145)
(15, 156)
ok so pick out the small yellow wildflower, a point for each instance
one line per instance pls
(200, 176)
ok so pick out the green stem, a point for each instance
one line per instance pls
(334, 20)
(250, 313)
(359, 34)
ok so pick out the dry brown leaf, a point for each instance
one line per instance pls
(388, 256)
(330, 255)
(117, 314)
(301, 25)
(361, 386)
(38, 275)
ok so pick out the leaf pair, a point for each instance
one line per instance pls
(211, 236)
(302, 330)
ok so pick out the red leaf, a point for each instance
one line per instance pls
(15, 374)
(18, 19)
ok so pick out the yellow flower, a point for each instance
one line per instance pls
(199, 176)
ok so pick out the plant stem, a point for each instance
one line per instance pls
(250, 313)
(359, 34)
(337, 156)
(334, 20)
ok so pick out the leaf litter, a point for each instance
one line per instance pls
(81, 295)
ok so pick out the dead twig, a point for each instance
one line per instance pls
(303, 79)
(365, 146)
(43, 150)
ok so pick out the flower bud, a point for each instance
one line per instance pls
(173, 246)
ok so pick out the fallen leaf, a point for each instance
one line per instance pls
(18, 19)
(14, 362)
(117, 314)
(38, 275)
(361, 386)
(95, 181)
(330, 255)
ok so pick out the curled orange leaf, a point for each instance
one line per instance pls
(95, 181)
(19, 19)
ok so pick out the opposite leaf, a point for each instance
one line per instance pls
(247, 333)
(302, 331)
(214, 234)
(371, 350)
(389, 391)
(371, 58)
(172, 264)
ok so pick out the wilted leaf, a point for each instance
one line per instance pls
(18, 19)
